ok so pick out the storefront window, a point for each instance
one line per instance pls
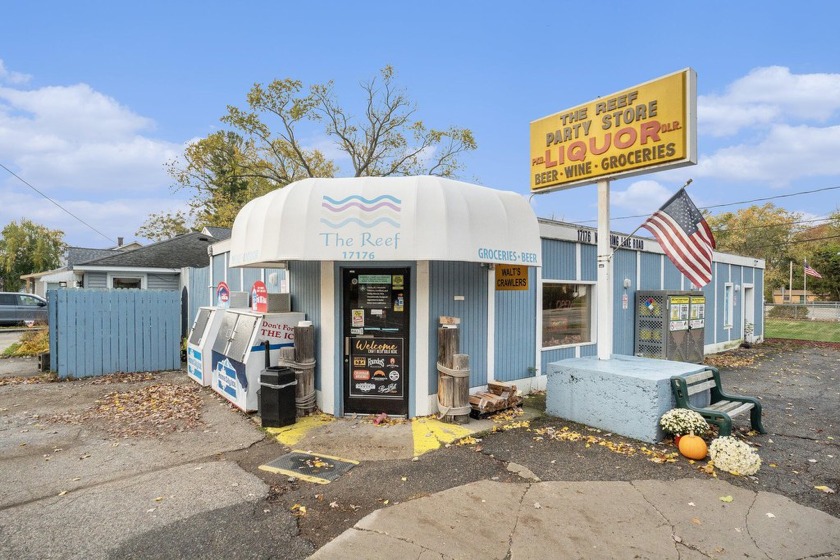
(567, 314)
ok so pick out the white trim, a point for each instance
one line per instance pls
(329, 376)
(491, 324)
(729, 307)
(538, 315)
(128, 269)
(423, 406)
(142, 277)
(592, 316)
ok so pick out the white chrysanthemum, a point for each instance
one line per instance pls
(734, 456)
(682, 421)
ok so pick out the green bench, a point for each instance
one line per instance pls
(722, 406)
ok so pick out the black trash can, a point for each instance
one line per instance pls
(277, 397)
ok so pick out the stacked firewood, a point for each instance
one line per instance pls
(499, 396)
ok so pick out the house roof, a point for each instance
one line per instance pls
(189, 249)
(219, 233)
(79, 255)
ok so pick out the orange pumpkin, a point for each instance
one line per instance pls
(693, 447)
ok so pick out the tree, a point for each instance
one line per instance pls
(164, 225)
(263, 150)
(26, 248)
(821, 246)
(763, 232)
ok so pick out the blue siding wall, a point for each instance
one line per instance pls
(650, 272)
(624, 266)
(759, 302)
(588, 263)
(516, 331)
(673, 277)
(556, 354)
(558, 259)
(447, 280)
(709, 326)
(305, 293)
(96, 332)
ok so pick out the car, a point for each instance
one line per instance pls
(18, 308)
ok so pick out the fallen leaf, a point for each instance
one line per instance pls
(696, 521)
(404, 478)
(726, 499)
(333, 505)
(770, 515)
(62, 493)
(691, 504)
(159, 499)
(537, 505)
(825, 489)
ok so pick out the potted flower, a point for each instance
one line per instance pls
(734, 456)
(678, 422)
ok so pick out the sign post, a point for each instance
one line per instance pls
(605, 293)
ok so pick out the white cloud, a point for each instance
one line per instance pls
(786, 154)
(112, 218)
(74, 138)
(642, 197)
(14, 78)
(766, 96)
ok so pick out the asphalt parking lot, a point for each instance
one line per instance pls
(87, 479)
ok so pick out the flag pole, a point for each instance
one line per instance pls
(805, 286)
(790, 284)
(640, 225)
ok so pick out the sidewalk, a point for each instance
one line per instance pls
(641, 519)
(683, 518)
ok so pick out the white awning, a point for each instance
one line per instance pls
(372, 219)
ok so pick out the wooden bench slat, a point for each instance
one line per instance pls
(697, 387)
(732, 408)
(700, 376)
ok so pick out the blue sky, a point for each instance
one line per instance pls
(95, 97)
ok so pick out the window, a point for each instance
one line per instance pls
(30, 300)
(567, 314)
(126, 282)
(728, 305)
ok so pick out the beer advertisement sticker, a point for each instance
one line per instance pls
(383, 361)
(222, 295)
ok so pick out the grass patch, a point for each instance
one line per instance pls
(822, 331)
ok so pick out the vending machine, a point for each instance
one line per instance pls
(670, 325)
(239, 351)
(200, 342)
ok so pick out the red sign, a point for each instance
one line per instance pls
(259, 297)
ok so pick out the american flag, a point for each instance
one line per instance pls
(686, 238)
(811, 272)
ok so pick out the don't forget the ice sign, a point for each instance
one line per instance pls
(646, 127)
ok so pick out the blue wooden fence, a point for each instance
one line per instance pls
(95, 332)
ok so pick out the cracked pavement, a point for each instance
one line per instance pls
(609, 519)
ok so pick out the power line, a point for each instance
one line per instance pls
(731, 203)
(19, 178)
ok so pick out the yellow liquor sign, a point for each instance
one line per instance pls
(652, 126)
(511, 277)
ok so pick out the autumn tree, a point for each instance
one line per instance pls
(820, 245)
(26, 248)
(763, 232)
(264, 147)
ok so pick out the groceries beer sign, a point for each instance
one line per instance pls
(649, 126)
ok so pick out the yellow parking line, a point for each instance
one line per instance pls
(429, 434)
(291, 435)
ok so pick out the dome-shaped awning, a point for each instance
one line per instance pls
(372, 219)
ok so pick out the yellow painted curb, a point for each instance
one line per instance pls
(429, 434)
(291, 435)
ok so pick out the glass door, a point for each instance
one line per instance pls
(376, 340)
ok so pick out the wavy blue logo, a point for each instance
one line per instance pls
(365, 212)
